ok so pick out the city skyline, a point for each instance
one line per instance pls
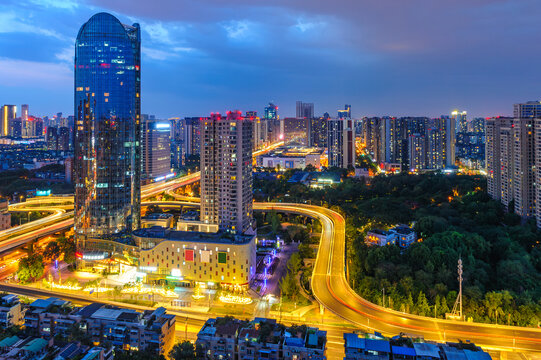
(409, 66)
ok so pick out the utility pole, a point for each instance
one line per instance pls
(460, 285)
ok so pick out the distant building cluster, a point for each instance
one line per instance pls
(50, 322)
(229, 338)
(416, 144)
(401, 235)
(513, 153)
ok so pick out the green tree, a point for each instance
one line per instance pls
(183, 351)
(30, 268)
(422, 306)
(52, 251)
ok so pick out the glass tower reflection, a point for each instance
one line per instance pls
(108, 130)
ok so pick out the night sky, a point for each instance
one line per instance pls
(384, 57)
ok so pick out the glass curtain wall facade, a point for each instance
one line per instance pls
(108, 130)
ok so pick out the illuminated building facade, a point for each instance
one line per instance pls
(499, 159)
(181, 256)
(513, 149)
(341, 142)
(156, 148)
(226, 172)
(9, 113)
(304, 110)
(107, 163)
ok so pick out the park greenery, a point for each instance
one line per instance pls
(454, 218)
(32, 267)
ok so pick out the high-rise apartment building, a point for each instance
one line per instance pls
(9, 112)
(513, 149)
(156, 148)
(460, 120)
(226, 172)
(450, 139)
(107, 163)
(499, 159)
(317, 132)
(524, 157)
(417, 152)
(192, 135)
(341, 142)
(305, 110)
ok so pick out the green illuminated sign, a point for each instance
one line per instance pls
(222, 257)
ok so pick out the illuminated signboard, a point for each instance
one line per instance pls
(205, 256)
(188, 255)
(222, 257)
(43, 192)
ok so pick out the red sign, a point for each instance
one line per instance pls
(188, 255)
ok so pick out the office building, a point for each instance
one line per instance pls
(341, 143)
(9, 112)
(52, 138)
(226, 172)
(345, 113)
(24, 112)
(156, 148)
(192, 135)
(304, 110)
(296, 130)
(107, 163)
(272, 124)
(317, 132)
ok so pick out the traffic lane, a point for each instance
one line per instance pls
(385, 320)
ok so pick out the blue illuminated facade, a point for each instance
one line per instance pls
(108, 127)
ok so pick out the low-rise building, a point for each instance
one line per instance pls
(128, 329)
(164, 220)
(229, 338)
(376, 347)
(196, 257)
(50, 317)
(291, 157)
(124, 329)
(400, 235)
(11, 312)
(380, 237)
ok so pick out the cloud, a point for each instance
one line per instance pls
(22, 73)
(238, 29)
(9, 23)
(66, 55)
(60, 4)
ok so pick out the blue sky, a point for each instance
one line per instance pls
(385, 57)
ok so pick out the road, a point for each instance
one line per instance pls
(332, 290)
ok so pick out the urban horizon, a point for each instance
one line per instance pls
(171, 51)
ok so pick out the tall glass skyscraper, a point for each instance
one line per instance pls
(108, 130)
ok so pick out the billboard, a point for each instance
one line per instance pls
(188, 255)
